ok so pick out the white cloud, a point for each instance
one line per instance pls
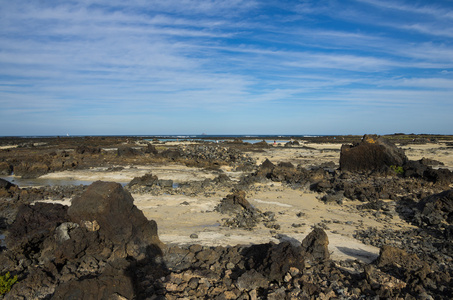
(110, 57)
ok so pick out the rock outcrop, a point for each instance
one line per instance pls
(436, 209)
(86, 251)
(106, 207)
(373, 153)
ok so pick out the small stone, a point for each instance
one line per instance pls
(194, 236)
(294, 271)
(230, 266)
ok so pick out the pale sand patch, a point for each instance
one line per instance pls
(319, 154)
(180, 216)
(60, 201)
(438, 151)
(9, 147)
(177, 173)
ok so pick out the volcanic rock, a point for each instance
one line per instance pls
(265, 168)
(316, 244)
(119, 219)
(89, 251)
(127, 151)
(145, 180)
(233, 203)
(151, 149)
(33, 224)
(5, 168)
(5, 184)
(392, 257)
(31, 170)
(436, 209)
(83, 149)
(113, 283)
(373, 153)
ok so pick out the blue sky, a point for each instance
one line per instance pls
(225, 67)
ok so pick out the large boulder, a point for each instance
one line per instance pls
(106, 207)
(373, 153)
(316, 244)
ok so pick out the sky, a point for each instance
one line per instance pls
(139, 67)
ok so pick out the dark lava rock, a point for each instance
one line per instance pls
(439, 176)
(436, 209)
(31, 170)
(415, 168)
(113, 283)
(145, 180)
(83, 149)
(5, 168)
(392, 257)
(316, 244)
(119, 220)
(93, 250)
(252, 280)
(233, 203)
(33, 223)
(151, 149)
(222, 179)
(244, 214)
(372, 154)
(127, 151)
(171, 154)
(5, 184)
(165, 183)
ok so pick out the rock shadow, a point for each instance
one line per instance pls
(145, 273)
(360, 254)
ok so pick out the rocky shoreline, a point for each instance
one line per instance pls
(103, 247)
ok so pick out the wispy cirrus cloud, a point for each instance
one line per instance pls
(83, 59)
